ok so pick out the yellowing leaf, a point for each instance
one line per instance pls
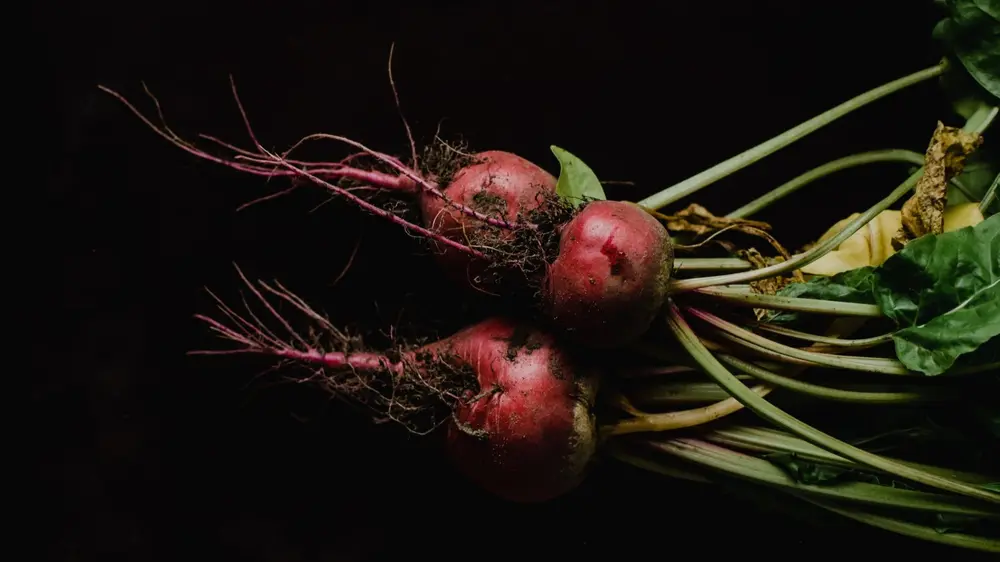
(872, 244)
(923, 213)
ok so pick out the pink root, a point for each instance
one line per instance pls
(269, 165)
(266, 164)
(333, 170)
(420, 396)
(253, 336)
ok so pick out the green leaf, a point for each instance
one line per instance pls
(577, 182)
(854, 285)
(993, 487)
(971, 32)
(942, 291)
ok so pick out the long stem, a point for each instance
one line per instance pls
(764, 472)
(740, 161)
(912, 530)
(780, 418)
(861, 343)
(976, 123)
(793, 185)
(660, 393)
(768, 440)
(796, 304)
(990, 195)
(778, 350)
(659, 466)
(826, 392)
(715, 265)
(671, 421)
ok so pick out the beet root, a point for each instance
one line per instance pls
(611, 275)
(519, 409)
(498, 184)
(530, 434)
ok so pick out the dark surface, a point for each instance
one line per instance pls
(151, 455)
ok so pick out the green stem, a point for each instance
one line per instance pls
(660, 394)
(779, 351)
(764, 472)
(991, 193)
(894, 155)
(740, 161)
(862, 343)
(826, 392)
(760, 406)
(776, 302)
(912, 530)
(975, 123)
(987, 113)
(905, 528)
(767, 440)
(712, 264)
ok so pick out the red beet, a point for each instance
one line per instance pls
(533, 438)
(519, 409)
(499, 184)
(611, 275)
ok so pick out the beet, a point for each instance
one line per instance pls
(611, 275)
(533, 437)
(496, 183)
(518, 408)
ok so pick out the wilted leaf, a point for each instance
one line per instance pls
(699, 221)
(872, 244)
(769, 285)
(923, 213)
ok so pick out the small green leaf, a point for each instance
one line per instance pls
(942, 291)
(972, 33)
(577, 182)
(993, 487)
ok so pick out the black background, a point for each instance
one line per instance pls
(151, 455)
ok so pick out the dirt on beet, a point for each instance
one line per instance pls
(421, 396)
(525, 250)
(524, 338)
(441, 160)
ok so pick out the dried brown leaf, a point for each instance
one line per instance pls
(770, 285)
(699, 221)
(923, 213)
